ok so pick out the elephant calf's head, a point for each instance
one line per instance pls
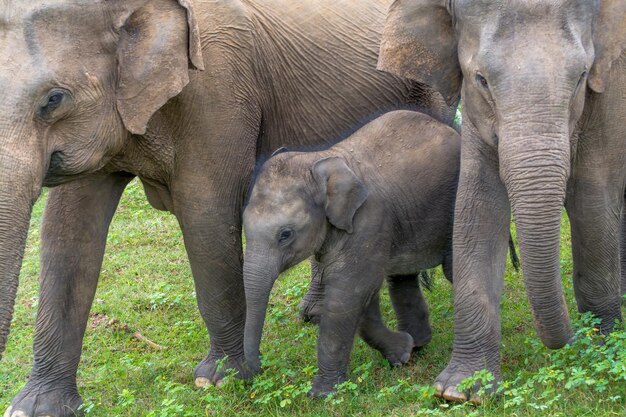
(297, 198)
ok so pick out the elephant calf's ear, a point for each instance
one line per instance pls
(159, 42)
(609, 41)
(345, 193)
(419, 43)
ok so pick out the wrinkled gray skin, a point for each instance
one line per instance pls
(380, 203)
(623, 251)
(543, 87)
(98, 92)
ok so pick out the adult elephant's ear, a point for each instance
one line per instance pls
(159, 42)
(609, 41)
(343, 192)
(419, 43)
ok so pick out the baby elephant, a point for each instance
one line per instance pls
(378, 204)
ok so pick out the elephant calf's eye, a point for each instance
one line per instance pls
(285, 235)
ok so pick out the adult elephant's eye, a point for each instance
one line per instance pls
(55, 99)
(582, 78)
(52, 101)
(482, 81)
(285, 235)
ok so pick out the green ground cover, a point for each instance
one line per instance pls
(146, 287)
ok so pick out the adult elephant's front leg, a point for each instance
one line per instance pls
(623, 251)
(594, 202)
(212, 233)
(481, 231)
(595, 197)
(595, 248)
(73, 240)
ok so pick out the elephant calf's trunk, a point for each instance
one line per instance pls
(258, 287)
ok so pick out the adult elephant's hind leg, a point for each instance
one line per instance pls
(73, 240)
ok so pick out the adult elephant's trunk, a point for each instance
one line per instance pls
(20, 185)
(259, 277)
(535, 169)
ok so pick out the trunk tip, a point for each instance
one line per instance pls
(556, 340)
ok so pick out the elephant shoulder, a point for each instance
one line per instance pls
(225, 23)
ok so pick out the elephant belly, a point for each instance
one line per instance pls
(158, 196)
(411, 262)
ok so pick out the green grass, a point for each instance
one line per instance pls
(146, 283)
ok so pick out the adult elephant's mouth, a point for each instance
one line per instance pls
(60, 172)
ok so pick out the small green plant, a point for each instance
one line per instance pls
(164, 297)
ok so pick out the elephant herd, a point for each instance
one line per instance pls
(192, 96)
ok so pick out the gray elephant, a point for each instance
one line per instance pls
(379, 203)
(623, 252)
(543, 86)
(96, 93)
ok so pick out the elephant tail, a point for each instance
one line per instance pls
(513, 253)
(425, 280)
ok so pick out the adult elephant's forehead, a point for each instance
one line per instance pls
(526, 10)
(58, 28)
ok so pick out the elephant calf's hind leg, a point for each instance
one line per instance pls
(396, 347)
(410, 307)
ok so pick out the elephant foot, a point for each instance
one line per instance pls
(322, 387)
(446, 384)
(39, 401)
(421, 334)
(398, 348)
(212, 370)
(311, 310)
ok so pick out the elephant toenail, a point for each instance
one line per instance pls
(405, 358)
(220, 383)
(19, 413)
(438, 389)
(451, 394)
(8, 412)
(475, 399)
(202, 382)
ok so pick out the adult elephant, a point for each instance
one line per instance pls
(623, 250)
(97, 92)
(543, 86)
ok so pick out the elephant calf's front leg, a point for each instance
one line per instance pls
(348, 291)
(312, 304)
